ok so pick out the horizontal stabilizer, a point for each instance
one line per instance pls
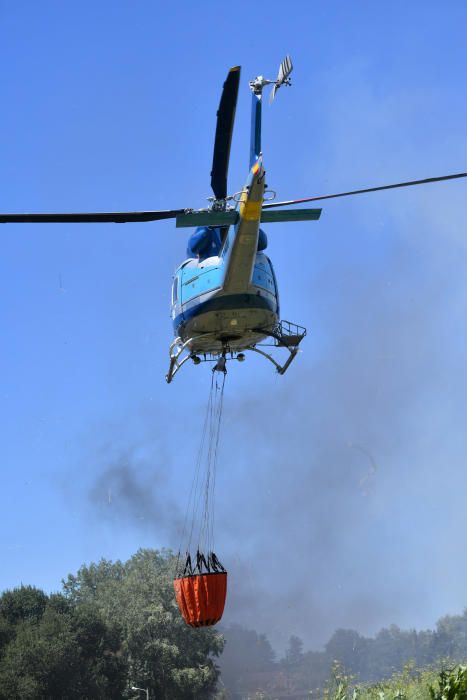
(208, 218)
(270, 217)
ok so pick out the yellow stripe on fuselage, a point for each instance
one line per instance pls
(250, 211)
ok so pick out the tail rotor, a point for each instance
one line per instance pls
(285, 69)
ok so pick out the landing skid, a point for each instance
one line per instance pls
(285, 335)
(180, 353)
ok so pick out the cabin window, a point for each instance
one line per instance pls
(175, 291)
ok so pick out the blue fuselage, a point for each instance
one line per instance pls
(225, 296)
(203, 309)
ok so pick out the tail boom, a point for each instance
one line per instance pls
(242, 241)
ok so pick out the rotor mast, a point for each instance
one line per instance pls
(256, 87)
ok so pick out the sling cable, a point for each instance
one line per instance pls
(200, 579)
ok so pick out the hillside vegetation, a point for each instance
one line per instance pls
(248, 662)
(116, 625)
(447, 684)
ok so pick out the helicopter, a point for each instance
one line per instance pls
(225, 297)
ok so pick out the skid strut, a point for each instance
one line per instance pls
(180, 352)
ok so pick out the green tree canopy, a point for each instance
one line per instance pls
(165, 655)
(61, 652)
(115, 626)
(23, 603)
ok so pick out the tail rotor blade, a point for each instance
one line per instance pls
(285, 69)
(224, 129)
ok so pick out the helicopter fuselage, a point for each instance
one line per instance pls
(214, 317)
(226, 297)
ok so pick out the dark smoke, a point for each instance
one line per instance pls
(132, 492)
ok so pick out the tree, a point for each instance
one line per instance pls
(246, 652)
(163, 654)
(349, 648)
(450, 638)
(59, 652)
(23, 603)
(294, 652)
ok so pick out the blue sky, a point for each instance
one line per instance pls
(111, 106)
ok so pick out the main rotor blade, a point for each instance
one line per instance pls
(118, 217)
(224, 129)
(368, 189)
